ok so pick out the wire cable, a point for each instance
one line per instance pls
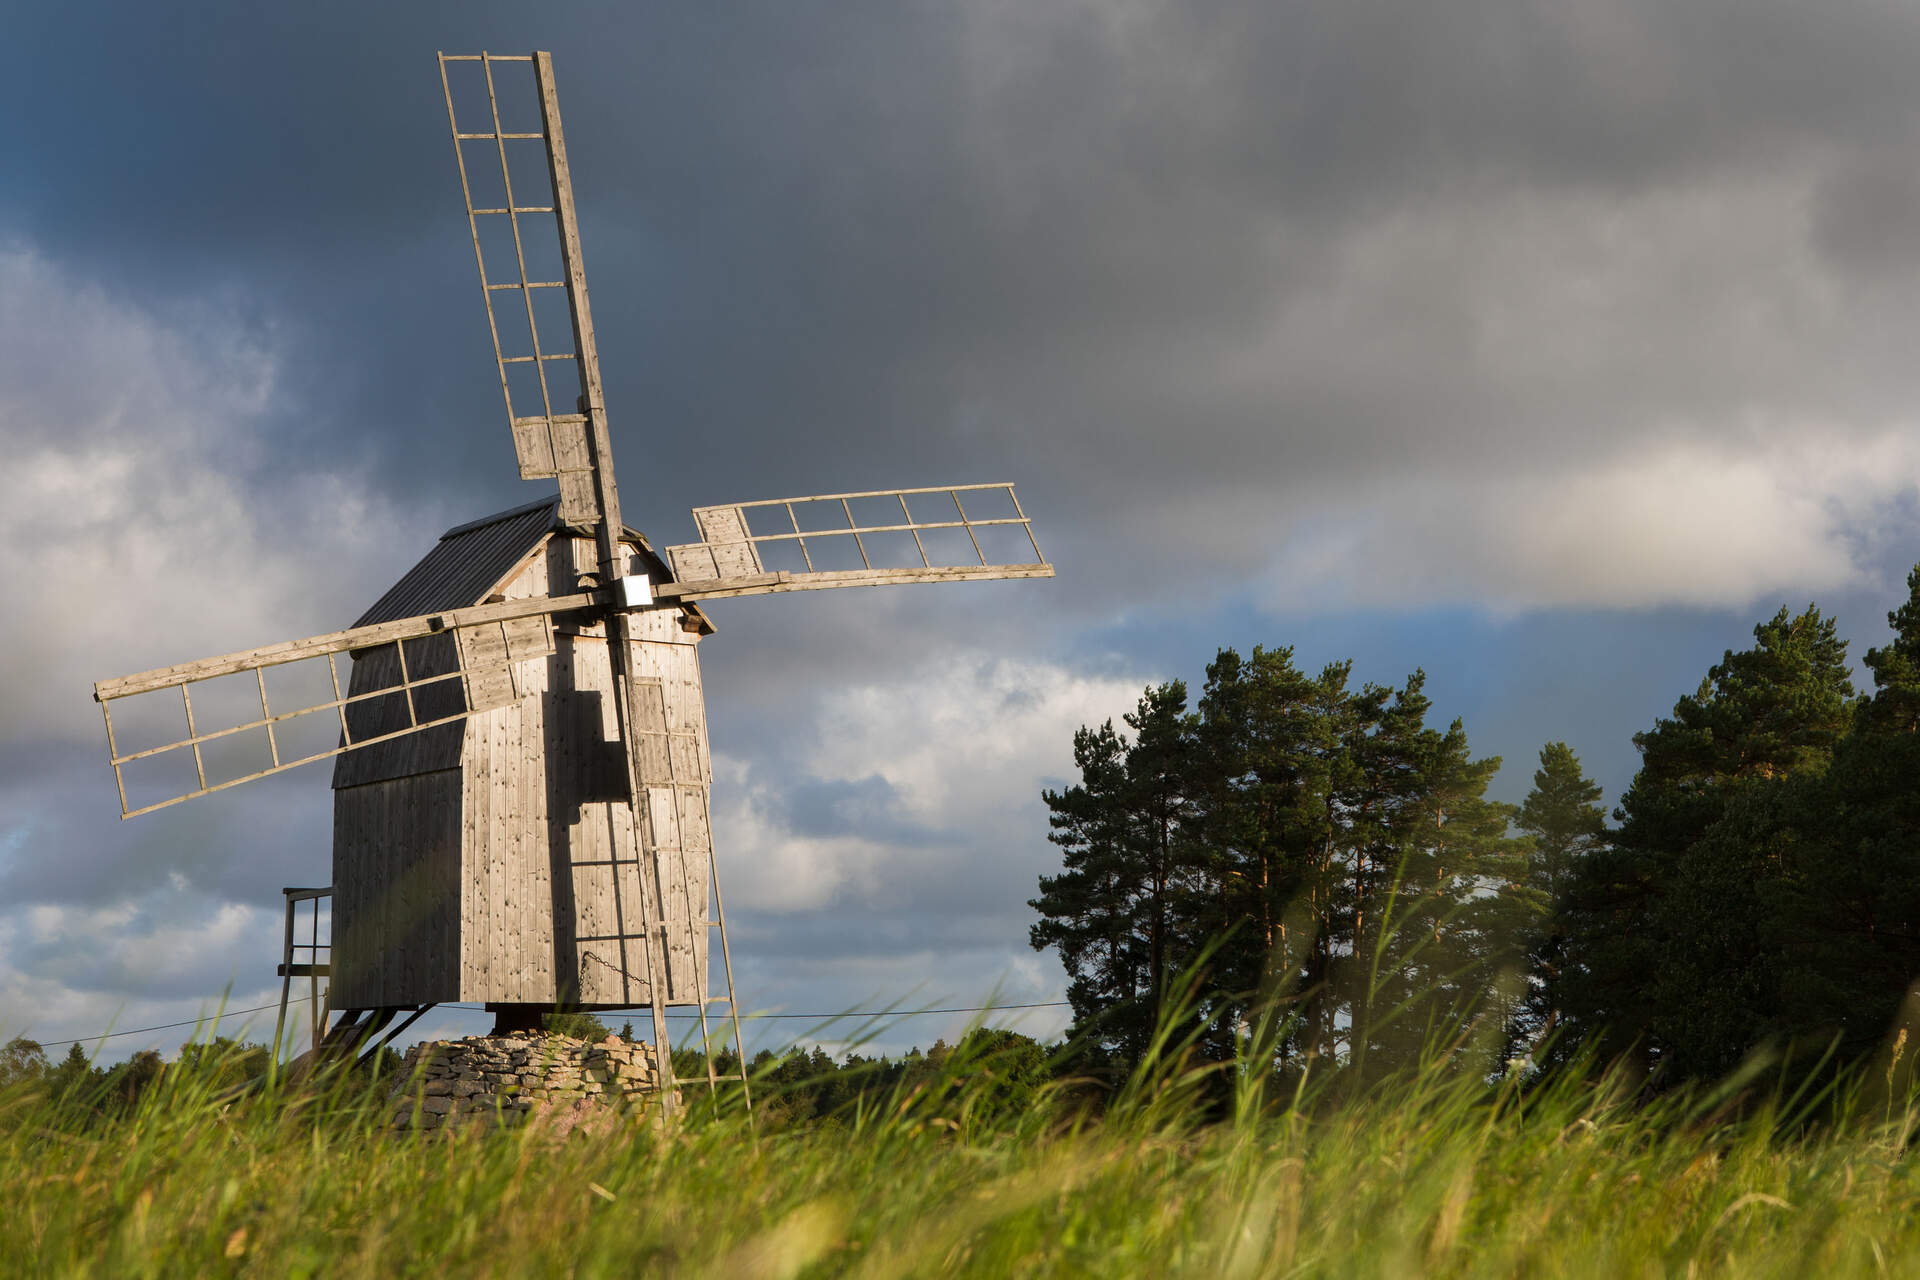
(165, 1026)
(822, 1017)
(470, 1008)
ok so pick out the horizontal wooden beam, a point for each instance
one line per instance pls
(775, 583)
(272, 655)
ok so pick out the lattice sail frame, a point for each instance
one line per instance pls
(566, 442)
(478, 671)
(727, 561)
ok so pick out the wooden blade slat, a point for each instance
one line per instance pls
(828, 580)
(340, 642)
(467, 663)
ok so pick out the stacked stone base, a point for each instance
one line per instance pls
(487, 1081)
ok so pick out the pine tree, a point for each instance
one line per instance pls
(74, 1074)
(1160, 779)
(1348, 824)
(1323, 849)
(1368, 907)
(1851, 942)
(1263, 747)
(1280, 791)
(1430, 930)
(1114, 912)
(1564, 816)
(1645, 975)
(1566, 823)
(1086, 912)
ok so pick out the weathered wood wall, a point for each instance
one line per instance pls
(553, 904)
(396, 900)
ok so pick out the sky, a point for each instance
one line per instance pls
(1545, 347)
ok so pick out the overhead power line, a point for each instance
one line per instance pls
(895, 1013)
(471, 1008)
(818, 1017)
(165, 1026)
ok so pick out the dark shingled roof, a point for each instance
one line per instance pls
(469, 561)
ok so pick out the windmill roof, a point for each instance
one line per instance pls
(472, 558)
(468, 561)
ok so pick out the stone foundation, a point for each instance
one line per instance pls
(485, 1081)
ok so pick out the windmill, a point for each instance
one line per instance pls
(522, 770)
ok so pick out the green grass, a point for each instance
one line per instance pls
(1431, 1173)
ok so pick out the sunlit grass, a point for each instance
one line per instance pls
(1433, 1172)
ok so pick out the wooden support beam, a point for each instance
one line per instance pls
(340, 642)
(775, 583)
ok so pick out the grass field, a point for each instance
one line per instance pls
(1431, 1174)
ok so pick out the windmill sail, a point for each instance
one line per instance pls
(558, 419)
(885, 542)
(436, 669)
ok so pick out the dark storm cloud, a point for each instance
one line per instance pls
(929, 239)
(1867, 215)
(71, 847)
(833, 808)
(852, 933)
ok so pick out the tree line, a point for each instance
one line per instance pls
(1005, 1071)
(92, 1094)
(1325, 873)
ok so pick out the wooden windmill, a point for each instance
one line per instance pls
(522, 768)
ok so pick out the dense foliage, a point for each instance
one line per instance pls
(1007, 1071)
(1327, 866)
(1320, 848)
(93, 1096)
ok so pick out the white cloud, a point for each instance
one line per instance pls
(1693, 522)
(1510, 399)
(142, 521)
(146, 521)
(70, 972)
(773, 868)
(962, 745)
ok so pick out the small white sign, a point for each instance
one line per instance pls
(635, 591)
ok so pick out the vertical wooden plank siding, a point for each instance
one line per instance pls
(497, 781)
(396, 911)
(519, 878)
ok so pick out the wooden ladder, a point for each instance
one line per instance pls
(312, 968)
